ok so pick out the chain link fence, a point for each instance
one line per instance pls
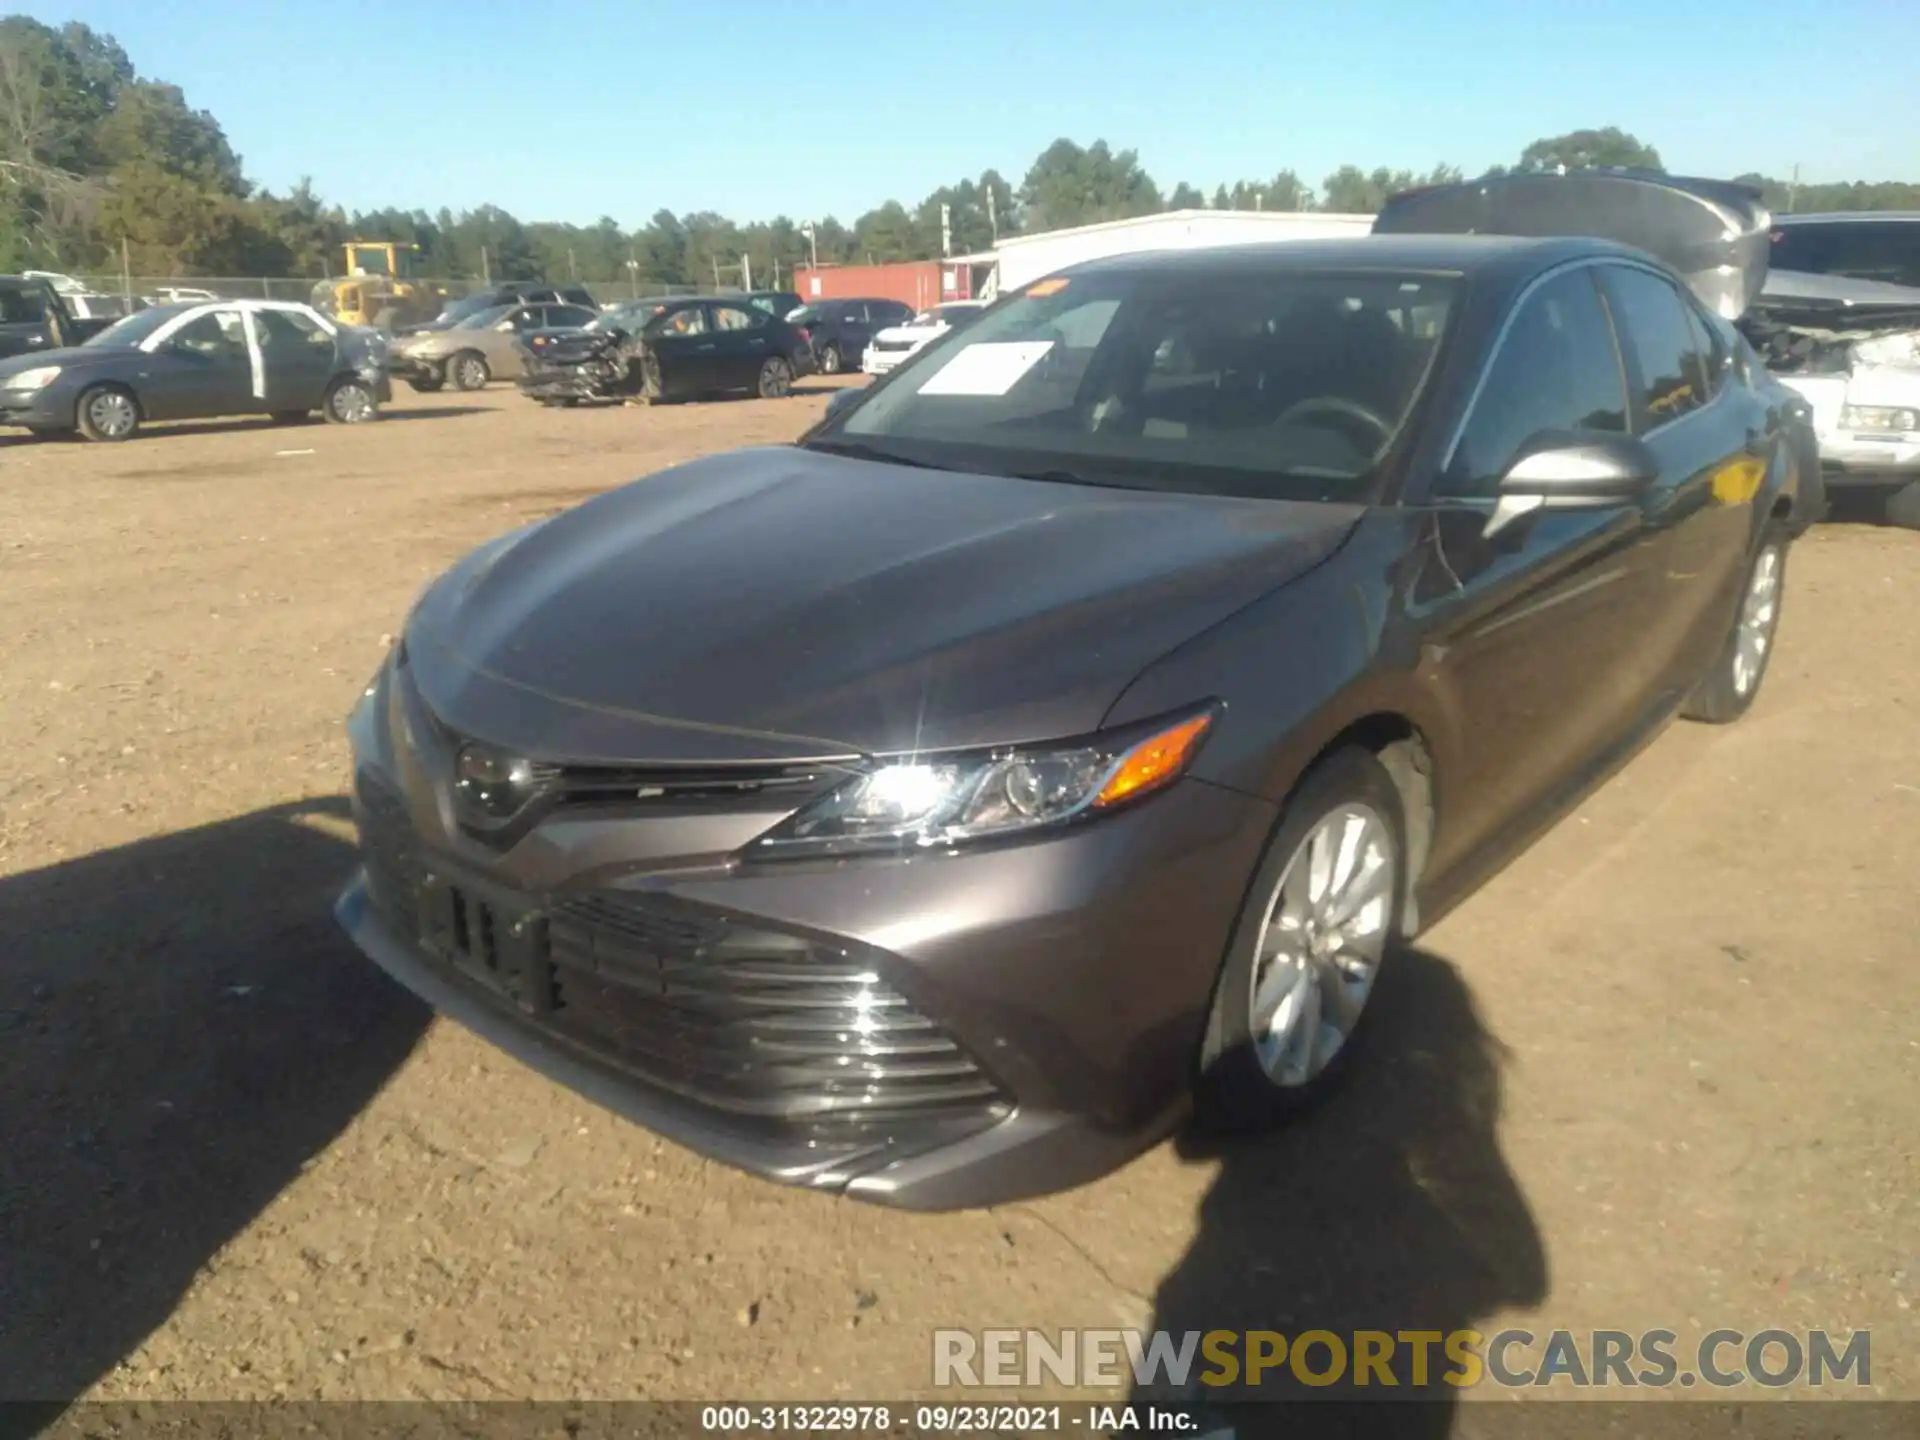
(159, 289)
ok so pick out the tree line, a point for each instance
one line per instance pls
(100, 165)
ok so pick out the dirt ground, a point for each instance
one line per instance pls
(1661, 1073)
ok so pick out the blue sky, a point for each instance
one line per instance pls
(754, 108)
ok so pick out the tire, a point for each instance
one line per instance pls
(1248, 1079)
(653, 386)
(1727, 691)
(426, 384)
(107, 413)
(468, 370)
(350, 402)
(290, 417)
(776, 379)
(832, 362)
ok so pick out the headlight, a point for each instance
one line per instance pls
(37, 378)
(930, 800)
(1878, 417)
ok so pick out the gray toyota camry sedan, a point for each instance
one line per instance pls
(1055, 741)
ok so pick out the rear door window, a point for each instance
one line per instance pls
(1557, 368)
(1662, 345)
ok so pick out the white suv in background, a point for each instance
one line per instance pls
(1850, 284)
(894, 344)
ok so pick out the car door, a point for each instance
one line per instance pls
(298, 357)
(742, 335)
(204, 368)
(683, 343)
(1711, 437)
(27, 322)
(1531, 634)
(506, 356)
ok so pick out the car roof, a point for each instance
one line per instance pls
(1506, 255)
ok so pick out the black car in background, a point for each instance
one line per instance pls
(837, 331)
(669, 350)
(196, 360)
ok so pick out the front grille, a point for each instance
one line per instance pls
(750, 1020)
(775, 1029)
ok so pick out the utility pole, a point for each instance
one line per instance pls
(993, 220)
(486, 275)
(716, 272)
(746, 271)
(573, 272)
(813, 245)
(633, 273)
(946, 230)
(126, 274)
(1793, 190)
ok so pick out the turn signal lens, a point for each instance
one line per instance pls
(1154, 761)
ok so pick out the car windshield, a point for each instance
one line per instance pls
(136, 327)
(470, 305)
(481, 319)
(805, 315)
(1289, 384)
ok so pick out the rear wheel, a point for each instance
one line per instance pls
(1322, 911)
(1728, 690)
(107, 413)
(468, 370)
(351, 402)
(832, 362)
(426, 384)
(776, 378)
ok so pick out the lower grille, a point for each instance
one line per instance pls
(772, 1028)
(750, 1020)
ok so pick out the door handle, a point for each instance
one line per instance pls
(703, 347)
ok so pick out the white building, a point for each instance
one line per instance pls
(1025, 258)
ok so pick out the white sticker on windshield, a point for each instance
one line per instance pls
(986, 369)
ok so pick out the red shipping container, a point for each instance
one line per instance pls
(919, 283)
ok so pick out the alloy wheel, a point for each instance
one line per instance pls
(351, 403)
(113, 413)
(1325, 932)
(1759, 613)
(776, 379)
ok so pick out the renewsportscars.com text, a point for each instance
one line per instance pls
(1414, 1359)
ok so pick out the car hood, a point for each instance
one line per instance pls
(1715, 233)
(72, 357)
(1838, 306)
(780, 604)
(910, 332)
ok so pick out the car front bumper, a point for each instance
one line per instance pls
(879, 362)
(416, 367)
(1018, 1018)
(1862, 461)
(49, 407)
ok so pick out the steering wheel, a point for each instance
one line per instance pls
(1336, 406)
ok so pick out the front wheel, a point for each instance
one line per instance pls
(107, 413)
(351, 402)
(832, 362)
(1727, 691)
(468, 371)
(426, 384)
(1323, 909)
(776, 379)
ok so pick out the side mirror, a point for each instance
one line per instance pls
(1565, 472)
(841, 400)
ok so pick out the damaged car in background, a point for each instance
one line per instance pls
(1851, 347)
(669, 350)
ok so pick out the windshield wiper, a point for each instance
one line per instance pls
(860, 450)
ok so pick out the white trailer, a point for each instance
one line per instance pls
(1025, 258)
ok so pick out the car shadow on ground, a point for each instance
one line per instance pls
(181, 1029)
(1388, 1208)
(1894, 511)
(240, 426)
